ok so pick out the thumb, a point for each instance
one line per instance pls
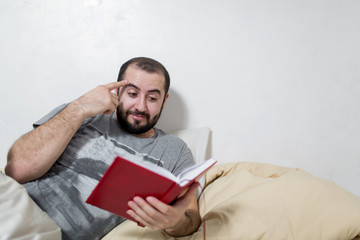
(192, 189)
(186, 198)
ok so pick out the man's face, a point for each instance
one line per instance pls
(141, 100)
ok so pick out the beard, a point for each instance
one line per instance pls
(136, 127)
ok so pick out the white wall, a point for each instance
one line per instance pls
(277, 81)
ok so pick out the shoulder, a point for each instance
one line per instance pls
(101, 118)
(174, 145)
(169, 137)
(49, 115)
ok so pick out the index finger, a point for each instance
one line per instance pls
(114, 85)
(157, 204)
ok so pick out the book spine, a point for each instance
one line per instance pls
(171, 194)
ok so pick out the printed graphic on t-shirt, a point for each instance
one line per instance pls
(91, 149)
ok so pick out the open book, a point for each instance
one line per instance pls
(125, 179)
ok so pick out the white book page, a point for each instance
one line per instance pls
(192, 172)
(155, 168)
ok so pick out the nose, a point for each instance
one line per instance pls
(141, 104)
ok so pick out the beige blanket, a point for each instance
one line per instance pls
(265, 202)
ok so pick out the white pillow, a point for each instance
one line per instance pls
(20, 217)
(197, 140)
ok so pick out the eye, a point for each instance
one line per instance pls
(152, 99)
(132, 94)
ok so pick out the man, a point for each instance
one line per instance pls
(61, 160)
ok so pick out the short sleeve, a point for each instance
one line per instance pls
(50, 115)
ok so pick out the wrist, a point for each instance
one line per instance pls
(173, 231)
(188, 224)
(76, 110)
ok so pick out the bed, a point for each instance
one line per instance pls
(245, 200)
(240, 200)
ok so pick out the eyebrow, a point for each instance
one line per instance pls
(137, 88)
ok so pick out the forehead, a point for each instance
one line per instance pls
(144, 80)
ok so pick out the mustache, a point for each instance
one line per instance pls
(138, 113)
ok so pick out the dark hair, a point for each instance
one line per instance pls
(148, 65)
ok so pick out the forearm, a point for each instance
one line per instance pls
(33, 154)
(188, 225)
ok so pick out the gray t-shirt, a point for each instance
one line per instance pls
(63, 190)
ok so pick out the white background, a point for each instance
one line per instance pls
(276, 81)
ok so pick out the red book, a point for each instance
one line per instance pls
(125, 179)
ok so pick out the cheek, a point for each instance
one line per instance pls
(154, 109)
(126, 102)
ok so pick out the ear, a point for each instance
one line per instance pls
(163, 105)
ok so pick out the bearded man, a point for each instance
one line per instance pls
(61, 160)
